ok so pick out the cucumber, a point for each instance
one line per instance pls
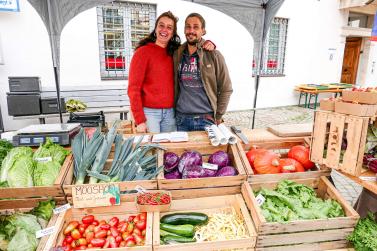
(164, 233)
(182, 230)
(171, 239)
(185, 218)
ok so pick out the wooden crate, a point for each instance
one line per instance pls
(329, 130)
(321, 234)
(282, 148)
(124, 127)
(69, 181)
(203, 182)
(101, 213)
(54, 190)
(192, 201)
(27, 205)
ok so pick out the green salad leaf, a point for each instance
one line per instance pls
(364, 236)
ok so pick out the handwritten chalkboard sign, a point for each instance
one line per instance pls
(95, 195)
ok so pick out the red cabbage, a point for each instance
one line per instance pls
(227, 171)
(209, 172)
(171, 161)
(175, 174)
(370, 162)
(190, 172)
(189, 158)
(219, 158)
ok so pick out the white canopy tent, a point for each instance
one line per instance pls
(255, 15)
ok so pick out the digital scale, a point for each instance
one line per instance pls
(34, 135)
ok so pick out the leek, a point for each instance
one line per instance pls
(84, 153)
(103, 154)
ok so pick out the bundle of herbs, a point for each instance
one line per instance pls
(364, 236)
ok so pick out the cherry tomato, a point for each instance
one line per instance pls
(123, 228)
(118, 239)
(88, 219)
(114, 232)
(82, 228)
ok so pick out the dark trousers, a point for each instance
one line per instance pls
(187, 122)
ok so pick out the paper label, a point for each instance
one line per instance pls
(368, 178)
(140, 189)
(62, 209)
(260, 199)
(44, 232)
(95, 195)
(44, 159)
(210, 166)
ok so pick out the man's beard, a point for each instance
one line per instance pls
(194, 42)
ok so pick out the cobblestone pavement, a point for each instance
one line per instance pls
(291, 115)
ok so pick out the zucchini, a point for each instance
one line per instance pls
(185, 218)
(182, 230)
(164, 233)
(171, 239)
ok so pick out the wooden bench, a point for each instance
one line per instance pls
(106, 98)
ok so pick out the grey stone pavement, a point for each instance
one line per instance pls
(291, 115)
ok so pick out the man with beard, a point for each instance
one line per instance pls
(202, 83)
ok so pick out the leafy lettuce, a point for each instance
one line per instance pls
(292, 201)
(364, 236)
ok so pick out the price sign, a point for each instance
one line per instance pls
(95, 195)
(260, 199)
(61, 209)
(44, 232)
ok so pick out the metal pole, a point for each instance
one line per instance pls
(258, 64)
(51, 33)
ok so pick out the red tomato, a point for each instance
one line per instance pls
(130, 228)
(136, 231)
(123, 228)
(125, 235)
(138, 239)
(82, 228)
(141, 225)
(81, 242)
(71, 225)
(131, 218)
(95, 222)
(89, 236)
(75, 234)
(114, 221)
(118, 239)
(130, 243)
(114, 232)
(68, 239)
(102, 222)
(122, 244)
(143, 216)
(129, 237)
(100, 234)
(113, 243)
(136, 219)
(90, 228)
(88, 219)
(98, 242)
(105, 227)
(143, 232)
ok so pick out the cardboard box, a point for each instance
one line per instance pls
(360, 97)
(356, 109)
(327, 105)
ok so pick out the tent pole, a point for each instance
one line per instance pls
(54, 61)
(259, 65)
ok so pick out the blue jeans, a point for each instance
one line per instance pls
(193, 123)
(160, 120)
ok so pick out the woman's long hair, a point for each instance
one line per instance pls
(174, 42)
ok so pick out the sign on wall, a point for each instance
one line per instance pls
(9, 5)
(374, 29)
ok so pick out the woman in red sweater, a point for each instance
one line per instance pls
(151, 77)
